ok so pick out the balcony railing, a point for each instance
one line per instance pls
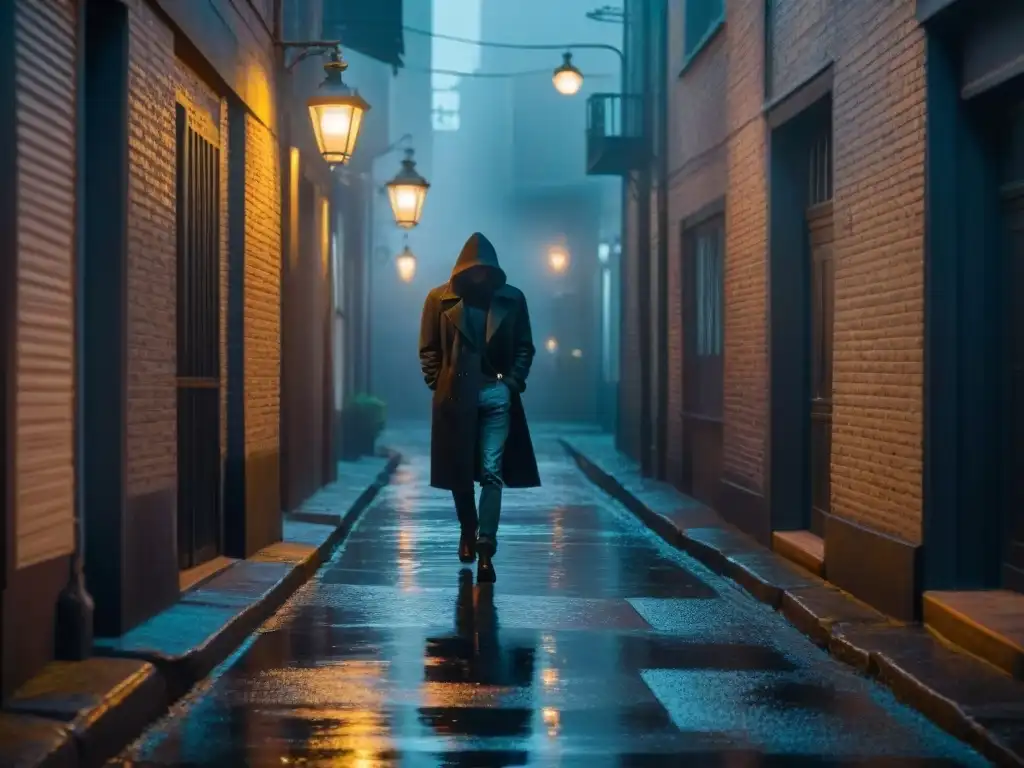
(614, 134)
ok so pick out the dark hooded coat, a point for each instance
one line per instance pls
(452, 368)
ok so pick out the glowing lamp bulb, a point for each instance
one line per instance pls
(567, 78)
(336, 121)
(405, 263)
(551, 345)
(558, 260)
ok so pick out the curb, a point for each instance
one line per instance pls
(81, 714)
(919, 669)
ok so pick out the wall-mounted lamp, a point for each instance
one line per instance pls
(407, 192)
(405, 263)
(336, 112)
(558, 259)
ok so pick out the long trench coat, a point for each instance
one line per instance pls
(452, 369)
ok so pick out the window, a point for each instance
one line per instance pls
(703, 317)
(701, 19)
(708, 291)
(445, 111)
(458, 18)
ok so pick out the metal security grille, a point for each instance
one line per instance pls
(820, 170)
(198, 213)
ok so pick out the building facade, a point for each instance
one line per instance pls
(168, 312)
(840, 379)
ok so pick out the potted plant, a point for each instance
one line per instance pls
(362, 421)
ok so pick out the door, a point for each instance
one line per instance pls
(198, 345)
(1012, 199)
(822, 276)
(703, 318)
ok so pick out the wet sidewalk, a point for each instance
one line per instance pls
(598, 646)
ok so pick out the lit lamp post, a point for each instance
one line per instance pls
(337, 113)
(405, 263)
(558, 259)
(567, 78)
(407, 193)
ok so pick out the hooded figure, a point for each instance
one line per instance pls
(476, 348)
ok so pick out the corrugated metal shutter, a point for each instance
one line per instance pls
(46, 78)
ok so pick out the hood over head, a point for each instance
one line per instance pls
(477, 265)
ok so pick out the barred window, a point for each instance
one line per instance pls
(708, 291)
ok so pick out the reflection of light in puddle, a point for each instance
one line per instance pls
(550, 677)
(551, 720)
(547, 643)
(406, 557)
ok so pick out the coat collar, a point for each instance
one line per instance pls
(501, 302)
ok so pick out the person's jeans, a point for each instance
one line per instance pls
(492, 425)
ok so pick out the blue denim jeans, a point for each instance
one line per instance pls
(492, 431)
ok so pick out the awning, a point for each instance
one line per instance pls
(372, 27)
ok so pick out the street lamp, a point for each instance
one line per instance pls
(337, 113)
(405, 263)
(558, 259)
(407, 193)
(567, 78)
(551, 345)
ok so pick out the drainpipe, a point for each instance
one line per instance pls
(75, 607)
(660, 113)
(644, 314)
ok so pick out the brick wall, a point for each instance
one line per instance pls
(262, 289)
(745, 397)
(804, 39)
(879, 119)
(151, 386)
(697, 177)
(45, 199)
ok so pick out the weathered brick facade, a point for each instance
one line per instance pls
(262, 318)
(720, 148)
(47, 81)
(152, 280)
(745, 243)
(879, 119)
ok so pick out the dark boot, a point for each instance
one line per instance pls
(485, 568)
(465, 507)
(467, 547)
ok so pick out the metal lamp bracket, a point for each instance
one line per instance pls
(311, 48)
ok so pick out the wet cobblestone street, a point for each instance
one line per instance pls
(598, 646)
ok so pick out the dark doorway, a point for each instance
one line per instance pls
(822, 288)
(1012, 209)
(198, 214)
(703, 290)
(801, 287)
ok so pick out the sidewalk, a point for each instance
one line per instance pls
(82, 713)
(967, 697)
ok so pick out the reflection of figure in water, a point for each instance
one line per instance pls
(474, 654)
(476, 349)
